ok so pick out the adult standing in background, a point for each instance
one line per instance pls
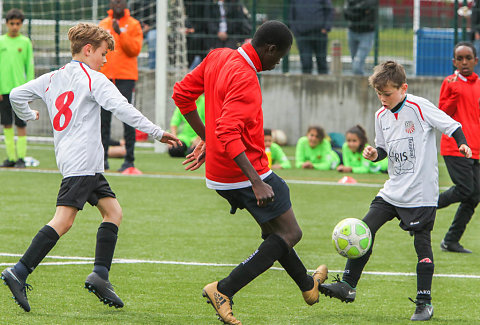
(122, 69)
(361, 16)
(475, 27)
(196, 30)
(311, 21)
(228, 24)
(146, 12)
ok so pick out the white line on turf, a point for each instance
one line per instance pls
(178, 176)
(75, 260)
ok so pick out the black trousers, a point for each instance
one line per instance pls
(126, 89)
(381, 212)
(465, 174)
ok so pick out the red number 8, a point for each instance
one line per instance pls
(63, 105)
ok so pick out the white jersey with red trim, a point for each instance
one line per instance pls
(408, 137)
(74, 95)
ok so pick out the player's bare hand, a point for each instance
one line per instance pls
(370, 153)
(170, 139)
(307, 165)
(1, 98)
(37, 114)
(465, 150)
(263, 193)
(196, 158)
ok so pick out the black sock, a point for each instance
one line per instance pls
(271, 249)
(296, 270)
(21, 271)
(41, 244)
(106, 241)
(424, 279)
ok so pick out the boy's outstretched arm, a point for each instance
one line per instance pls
(461, 140)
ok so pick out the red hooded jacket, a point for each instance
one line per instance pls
(460, 100)
(233, 111)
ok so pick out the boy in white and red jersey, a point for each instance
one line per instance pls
(404, 132)
(73, 95)
(459, 98)
(236, 162)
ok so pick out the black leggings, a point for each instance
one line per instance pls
(380, 212)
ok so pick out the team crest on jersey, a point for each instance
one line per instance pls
(409, 127)
(19, 50)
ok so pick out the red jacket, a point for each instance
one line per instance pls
(122, 62)
(233, 111)
(460, 100)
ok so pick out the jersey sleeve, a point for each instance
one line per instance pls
(379, 138)
(22, 95)
(109, 97)
(439, 119)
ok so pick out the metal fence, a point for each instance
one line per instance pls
(424, 49)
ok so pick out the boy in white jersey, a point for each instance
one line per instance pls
(404, 132)
(74, 95)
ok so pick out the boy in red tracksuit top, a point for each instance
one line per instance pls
(459, 98)
(236, 162)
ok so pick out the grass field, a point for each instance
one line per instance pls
(178, 236)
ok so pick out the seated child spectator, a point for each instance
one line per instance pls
(276, 158)
(353, 160)
(314, 151)
(180, 128)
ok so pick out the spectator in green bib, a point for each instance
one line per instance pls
(16, 68)
(353, 160)
(314, 151)
(276, 157)
(181, 129)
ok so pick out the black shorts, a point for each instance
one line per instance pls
(76, 190)
(7, 113)
(244, 198)
(411, 219)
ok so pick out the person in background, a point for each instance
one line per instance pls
(459, 98)
(361, 16)
(145, 11)
(352, 149)
(311, 21)
(276, 156)
(196, 30)
(16, 68)
(475, 28)
(122, 69)
(314, 151)
(228, 24)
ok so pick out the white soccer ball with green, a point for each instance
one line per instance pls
(351, 238)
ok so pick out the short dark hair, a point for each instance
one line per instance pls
(273, 32)
(15, 13)
(467, 44)
(267, 132)
(388, 72)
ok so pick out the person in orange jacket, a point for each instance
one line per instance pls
(122, 69)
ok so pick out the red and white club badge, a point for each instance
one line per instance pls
(409, 127)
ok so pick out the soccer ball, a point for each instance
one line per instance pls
(351, 238)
